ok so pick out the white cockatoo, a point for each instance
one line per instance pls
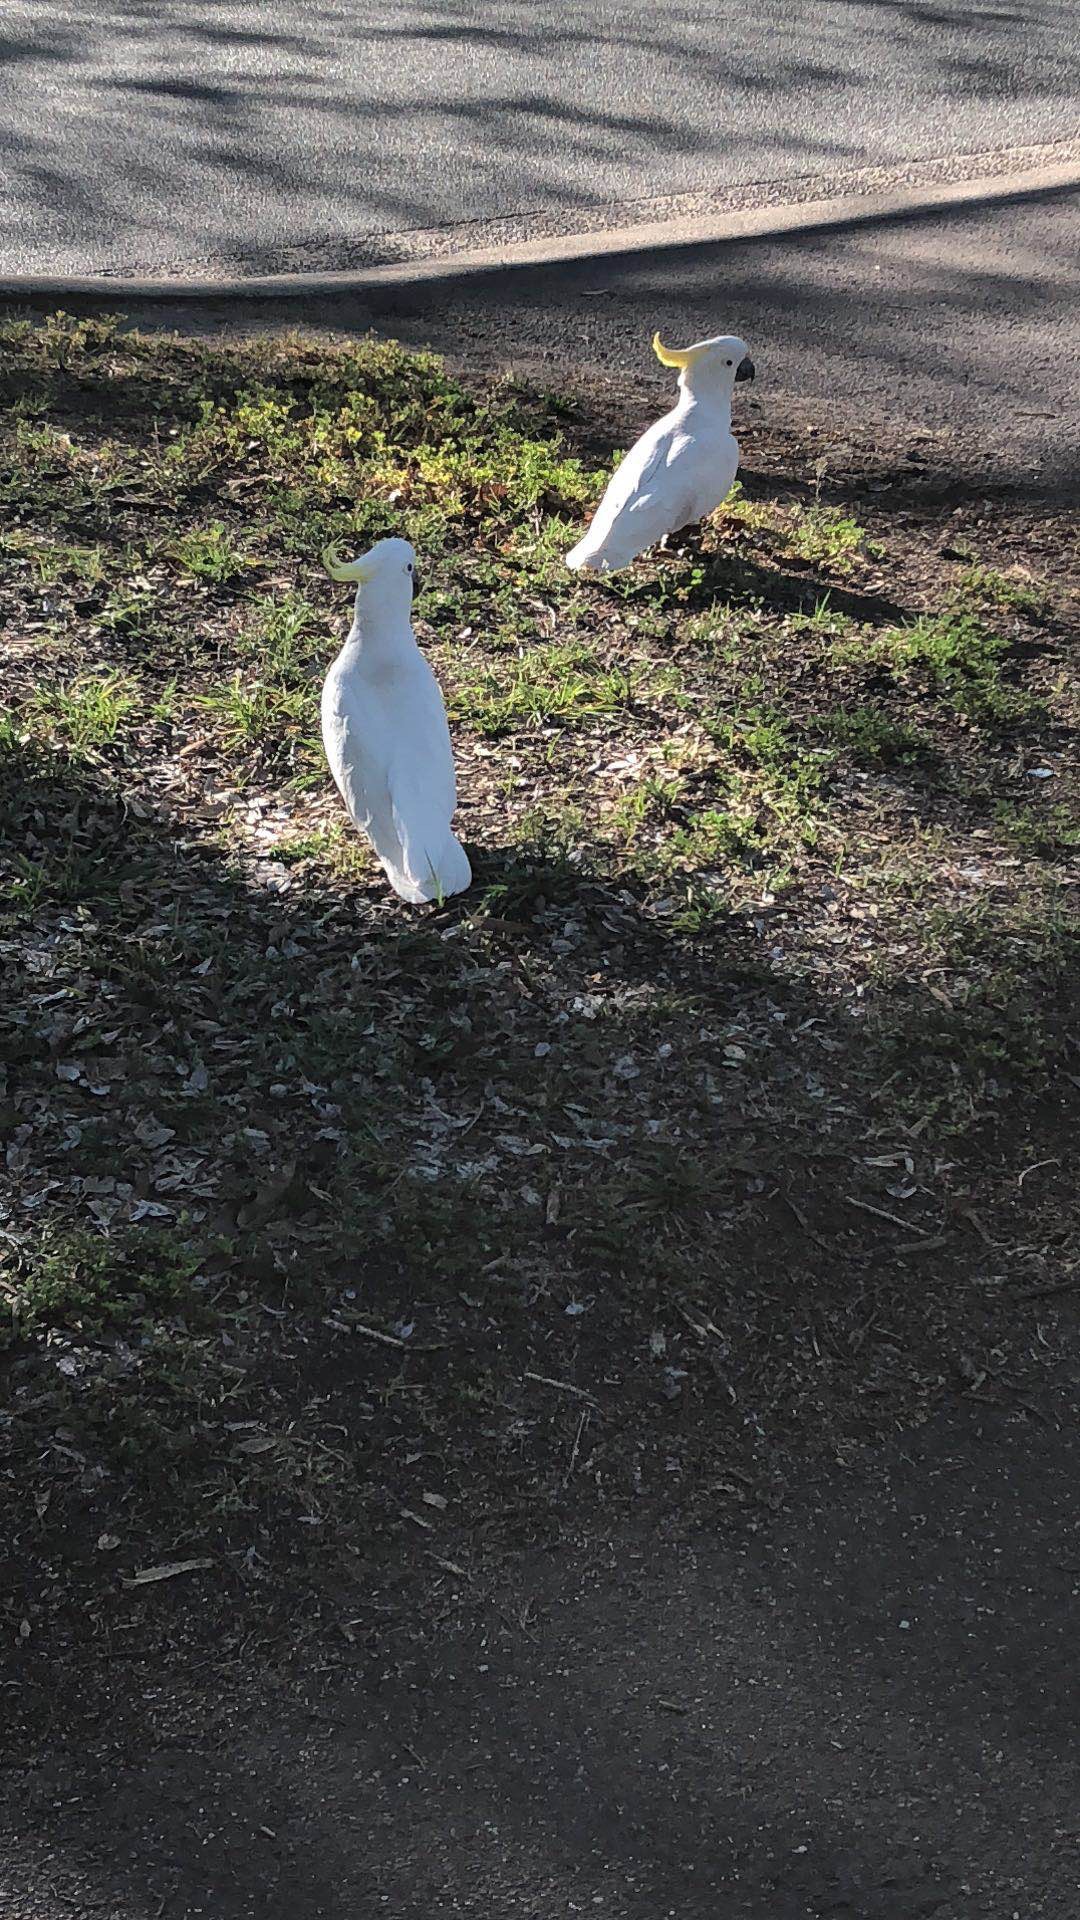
(385, 733)
(679, 470)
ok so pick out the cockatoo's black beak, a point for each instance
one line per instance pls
(745, 369)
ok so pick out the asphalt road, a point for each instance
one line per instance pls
(146, 134)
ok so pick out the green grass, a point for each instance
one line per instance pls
(821, 536)
(711, 838)
(1014, 591)
(53, 561)
(132, 609)
(287, 638)
(758, 515)
(826, 538)
(655, 798)
(340, 852)
(1051, 831)
(764, 907)
(823, 622)
(959, 659)
(88, 714)
(212, 553)
(873, 738)
(763, 740)
(549, 684)
(78, 1279)
(260, 715)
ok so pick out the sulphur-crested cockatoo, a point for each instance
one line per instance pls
(385, 732)
(681, 469)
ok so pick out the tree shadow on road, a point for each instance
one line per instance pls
(181, 89)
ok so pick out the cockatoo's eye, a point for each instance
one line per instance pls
(731, 363)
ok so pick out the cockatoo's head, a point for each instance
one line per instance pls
(712, 366)
(385, 576)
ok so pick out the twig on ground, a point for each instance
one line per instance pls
(932, 1244)
(562, 1386)
(376, 1333)
(448, 1566)
(1045, 1293)
(883, 1213)
(577, 1441)
(804, 1223)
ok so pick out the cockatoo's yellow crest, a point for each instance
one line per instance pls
(339, 569)
(672, 356)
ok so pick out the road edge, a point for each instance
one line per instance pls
(774, 222)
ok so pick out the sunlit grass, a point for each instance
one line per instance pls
(88, 713)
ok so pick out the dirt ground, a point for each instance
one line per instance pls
(863, 1704)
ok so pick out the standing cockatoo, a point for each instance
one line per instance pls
(681, 469)
(385, 733)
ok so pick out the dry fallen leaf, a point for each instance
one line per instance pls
(147, 1575)
(268, 1197)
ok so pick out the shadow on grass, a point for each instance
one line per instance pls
(237, 1116)
(310, 1196)
(786, 587)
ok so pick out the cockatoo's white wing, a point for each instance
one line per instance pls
(389, 751)
(632, 484)
(636, 473)
(356, 751)
(672, 476)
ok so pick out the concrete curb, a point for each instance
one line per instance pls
(731, 227)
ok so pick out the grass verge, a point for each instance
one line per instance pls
(735, 1095)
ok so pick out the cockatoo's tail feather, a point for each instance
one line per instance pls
(450, 873)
